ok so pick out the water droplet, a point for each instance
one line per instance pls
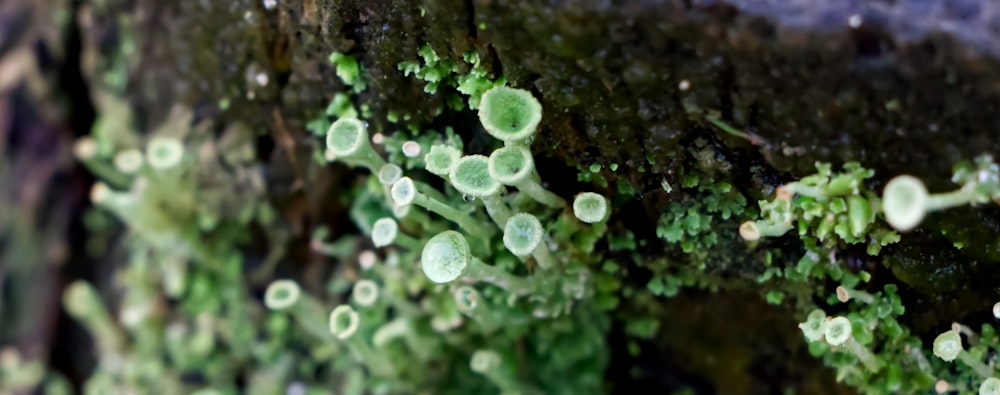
(468, 198)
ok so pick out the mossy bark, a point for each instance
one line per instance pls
(894, 87)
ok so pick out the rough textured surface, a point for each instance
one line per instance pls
(796, 74)
(911, 87)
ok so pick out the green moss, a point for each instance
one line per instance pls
(349, 71)
(435, 72)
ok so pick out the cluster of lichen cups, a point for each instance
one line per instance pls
(904, 203)
(144, 189)
(838, 332)
(843, 208)
(905, 199)
(948, 347)
(512, 116)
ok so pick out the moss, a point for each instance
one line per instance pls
(631, 85)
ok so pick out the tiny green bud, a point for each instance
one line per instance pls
(590, 207)
(859, 211)
(509, 114)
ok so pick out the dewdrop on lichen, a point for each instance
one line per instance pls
(471, 176)
(509, 114)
